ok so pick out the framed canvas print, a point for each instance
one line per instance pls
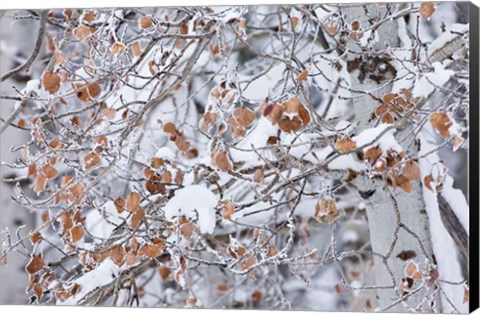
(309, 157)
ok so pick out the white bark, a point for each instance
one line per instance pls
(397, 220)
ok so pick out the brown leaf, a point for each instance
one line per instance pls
(150, 250)
(49, 171)
(289, 125)
(89, 16)
(76, 193)
(466, 294)
(156, 162)
(133, 201)
(136, 218)
(51, 82)
(248, 262)
(145, 22)
(411, 270)
(136, 48)
(411, 170)
(89, 92)
(273, 112)
(90, 160)
(82, 32)
(259, 175)
(244, 116)
(32, 170)
(330, 28)
(35, 237)
(108, 113)
(302, 75)
(164, 272)
(38, 290)
(304, 115)
(441, 123)
(345, 145)
(76, 233)
(119, 204)
(35, 264)
(222, 288)
(406, 255)
(228, 208)
(272, 250)
(338, 289)
(182, 143)
(427, 181)
(388, 118)
(170, 128)
(256, 297)
(372, 154)
(326, 208)
(426, 9)
(118, 255)
(117, 49)
(221, 160)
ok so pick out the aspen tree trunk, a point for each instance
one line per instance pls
(398, 221)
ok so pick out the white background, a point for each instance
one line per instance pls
(36, 4)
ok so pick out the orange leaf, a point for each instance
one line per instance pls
(256, 297)
(331, 28)
(164, 272)
(411, 170)
(326, 208)
(221, 160)
(136, 218)
(228, 208)
(49, 171)
(145, 22)
(426, 9)
(441, 123)
(51, 82)
(466, 295)
(90, 160)
(136, 48)
(244, 116)
(303, 75)
(182, 143)
(82, 32)
(76, 233)
(117, 49)
(248, 262)
(345, 145)
(427, 181)
(119, 204)
(259, 175)
(35, 264)
(411, 270)
(133, 201)
(288, 125)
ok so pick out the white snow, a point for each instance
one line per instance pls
(101, 223)
(165, 152)
(443, 244)
(103, 274)
(426, 83)
(194, 202)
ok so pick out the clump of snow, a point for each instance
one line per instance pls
(103, 274)
(426, 84)
(195, 202)
(386, 141)
(101, 223)
(166, 153)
